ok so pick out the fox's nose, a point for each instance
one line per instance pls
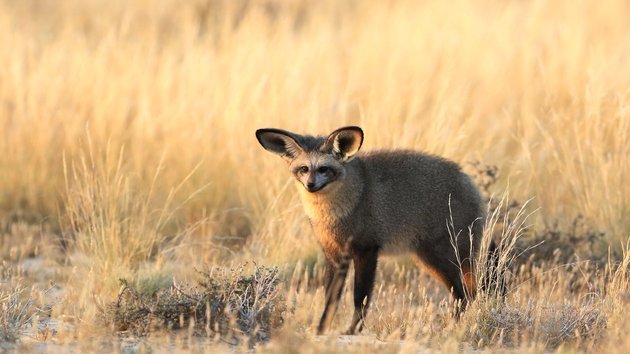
(310, 185)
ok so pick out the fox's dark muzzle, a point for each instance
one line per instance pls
(312, 187)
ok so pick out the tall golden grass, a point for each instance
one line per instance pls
(538, 88)
(128, 126)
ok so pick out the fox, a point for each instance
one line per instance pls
(362, 205)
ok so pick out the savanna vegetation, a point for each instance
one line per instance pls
(139, 213)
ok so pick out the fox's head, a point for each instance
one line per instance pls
(315, 162)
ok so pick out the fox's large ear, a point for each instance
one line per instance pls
(279, 142)
(345, 142)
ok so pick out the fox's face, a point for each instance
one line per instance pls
(317, 163)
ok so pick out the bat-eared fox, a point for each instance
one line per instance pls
(362, 205)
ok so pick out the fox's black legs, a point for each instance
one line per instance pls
(365, 262)
(364, 271)
(334, 279)
(447, 271)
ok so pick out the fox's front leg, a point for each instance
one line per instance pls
(334, 279)
(365, 261)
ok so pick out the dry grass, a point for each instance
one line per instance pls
(225, 303)
(20, 307)
(127, 150)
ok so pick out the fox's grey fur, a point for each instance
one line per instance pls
(362, 205)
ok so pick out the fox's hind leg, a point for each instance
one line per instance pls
(449, 273)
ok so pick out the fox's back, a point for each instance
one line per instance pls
(411, 196)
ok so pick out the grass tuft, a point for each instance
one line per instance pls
(226, 302)
(19, 308)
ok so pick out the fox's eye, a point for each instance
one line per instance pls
(303, 169)
(323, 169)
